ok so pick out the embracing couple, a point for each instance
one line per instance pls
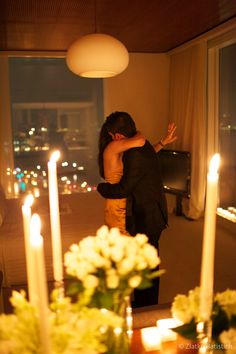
(135, 199)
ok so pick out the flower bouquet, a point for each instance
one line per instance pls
(73, 328)
(106, 268)
(185, 308)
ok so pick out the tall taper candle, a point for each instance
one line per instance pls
(26, 212)
(208, 250)
(36, 244)
(55, 218)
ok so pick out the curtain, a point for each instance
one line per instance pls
(6, 150)
(188, 111)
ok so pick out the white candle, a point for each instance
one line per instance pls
(38, 267)
(151, 338)
(208, 250)
(26, 212)
(55, 217)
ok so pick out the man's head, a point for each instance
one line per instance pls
(120, 125)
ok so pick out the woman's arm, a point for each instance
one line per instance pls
(170, 138)
(124, 144)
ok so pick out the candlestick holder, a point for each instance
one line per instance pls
(204, 336)
(59, 286)
(129, 318)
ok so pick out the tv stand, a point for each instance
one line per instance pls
(178, 205)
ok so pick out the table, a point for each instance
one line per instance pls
(180, 346)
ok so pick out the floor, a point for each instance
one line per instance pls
(180, 252)
(180, 248)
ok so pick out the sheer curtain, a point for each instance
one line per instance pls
(188, 111)
(6, 151)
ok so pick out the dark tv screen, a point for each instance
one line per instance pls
(176, 168)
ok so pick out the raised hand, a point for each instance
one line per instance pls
(170, 137)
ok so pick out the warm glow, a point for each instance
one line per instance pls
(151, 338)
(214, 165)
(55, 156)
(29, 201)
(164, 327)
(97, 55)
(35, 228)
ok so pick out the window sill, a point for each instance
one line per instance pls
(226, 224)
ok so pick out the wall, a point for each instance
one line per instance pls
(143, 91)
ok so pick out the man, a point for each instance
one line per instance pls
(146, 210)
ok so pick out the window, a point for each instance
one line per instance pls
(227, 128)
(222, 118)
(54, 109)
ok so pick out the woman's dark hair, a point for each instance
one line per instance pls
(116, 122)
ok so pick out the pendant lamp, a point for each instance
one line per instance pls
(97, 55)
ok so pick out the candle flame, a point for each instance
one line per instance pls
(55, 156)
(35, 228)
(214, 164)
(29, 200)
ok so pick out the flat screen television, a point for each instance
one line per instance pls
(176, 171)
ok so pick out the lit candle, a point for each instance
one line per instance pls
(38, 268)
(151, 338)
(208, 250)
(26, 212)
(164, 327)
(55, 218)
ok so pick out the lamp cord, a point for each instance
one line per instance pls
(95, 16)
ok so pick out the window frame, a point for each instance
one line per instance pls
(213, 92)
(7, 178)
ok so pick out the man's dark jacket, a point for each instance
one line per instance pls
(142, 185)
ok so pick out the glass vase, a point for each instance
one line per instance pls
(119, 340)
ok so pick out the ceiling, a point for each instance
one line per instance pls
(152, 26)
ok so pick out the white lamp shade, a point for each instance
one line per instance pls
(97, 55)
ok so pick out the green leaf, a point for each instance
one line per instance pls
(74, 288)
(233, 321)
(188, 330)
(220, 321)
(156, 274)
(105, 300)
(146, 283)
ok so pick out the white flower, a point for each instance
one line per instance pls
(194, 301)
(103, 232)
(90, 281)
(112, 279)
(114, 233)
(83, 270)
(227, 300)
(103, 247)
(181, 309)
(116, 253)
(228, 339)
(141, 239)
(6, 347)
(135, 281)
(141, 263)
(131, 248)
(126, 266)
(185, 308)
(74, 248)
(86, 245)
(151, 255)
(111, 260)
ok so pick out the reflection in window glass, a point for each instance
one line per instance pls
(54, 109)
(227, 131)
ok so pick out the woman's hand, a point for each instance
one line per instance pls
(170, 137)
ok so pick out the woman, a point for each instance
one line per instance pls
(111, 148)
